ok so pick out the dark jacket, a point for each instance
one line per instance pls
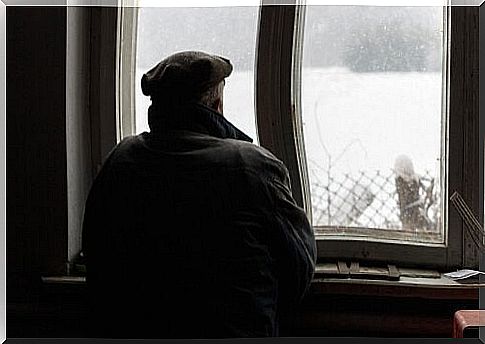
(191, 231)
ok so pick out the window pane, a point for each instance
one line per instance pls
(225, 31)
(372, 98)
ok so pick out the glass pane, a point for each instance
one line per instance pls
(225, 31)
(372, 98)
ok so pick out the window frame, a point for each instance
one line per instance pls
(127, 25)
(278, 112)
(103, 87)
(278, 120)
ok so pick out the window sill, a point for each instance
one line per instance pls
(79, 280)
(440, 288)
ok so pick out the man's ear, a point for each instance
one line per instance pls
(218, 105)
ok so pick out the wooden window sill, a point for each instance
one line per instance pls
(408, 287)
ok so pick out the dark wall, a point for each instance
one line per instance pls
(61, 123)
(60, 95)
(36, 145)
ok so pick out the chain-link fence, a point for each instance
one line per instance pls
(375, 199)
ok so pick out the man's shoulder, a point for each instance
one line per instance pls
(254, 158)
(126, 146)
(130, 141)
(248, 148)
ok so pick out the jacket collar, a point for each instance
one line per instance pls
(193, 117)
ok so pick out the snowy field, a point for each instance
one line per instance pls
(372, 117)
(352, 121)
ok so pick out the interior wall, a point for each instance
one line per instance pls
(36, 146)
(61, 123)
(3, 15)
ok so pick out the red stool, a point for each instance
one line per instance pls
(467, 319)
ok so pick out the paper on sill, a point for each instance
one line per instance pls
(462, 274)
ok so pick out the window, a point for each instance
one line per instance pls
(374, 121)
(162, 31)
(310, 37)
(364, 105)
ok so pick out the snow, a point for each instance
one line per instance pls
(353, 123)
(366, 120)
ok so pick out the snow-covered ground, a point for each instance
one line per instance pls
(380, 115)
(372, 117)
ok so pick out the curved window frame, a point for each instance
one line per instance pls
(278, 109)
(278, 117)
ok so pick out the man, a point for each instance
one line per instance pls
(190, 230)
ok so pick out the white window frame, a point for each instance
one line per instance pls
(126, 68)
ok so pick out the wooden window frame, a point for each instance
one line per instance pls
(278, 114)
(112, 87)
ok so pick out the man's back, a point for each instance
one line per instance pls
(175, 241)
(189, 231)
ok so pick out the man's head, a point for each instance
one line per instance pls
(213, 97)
(190, 76)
